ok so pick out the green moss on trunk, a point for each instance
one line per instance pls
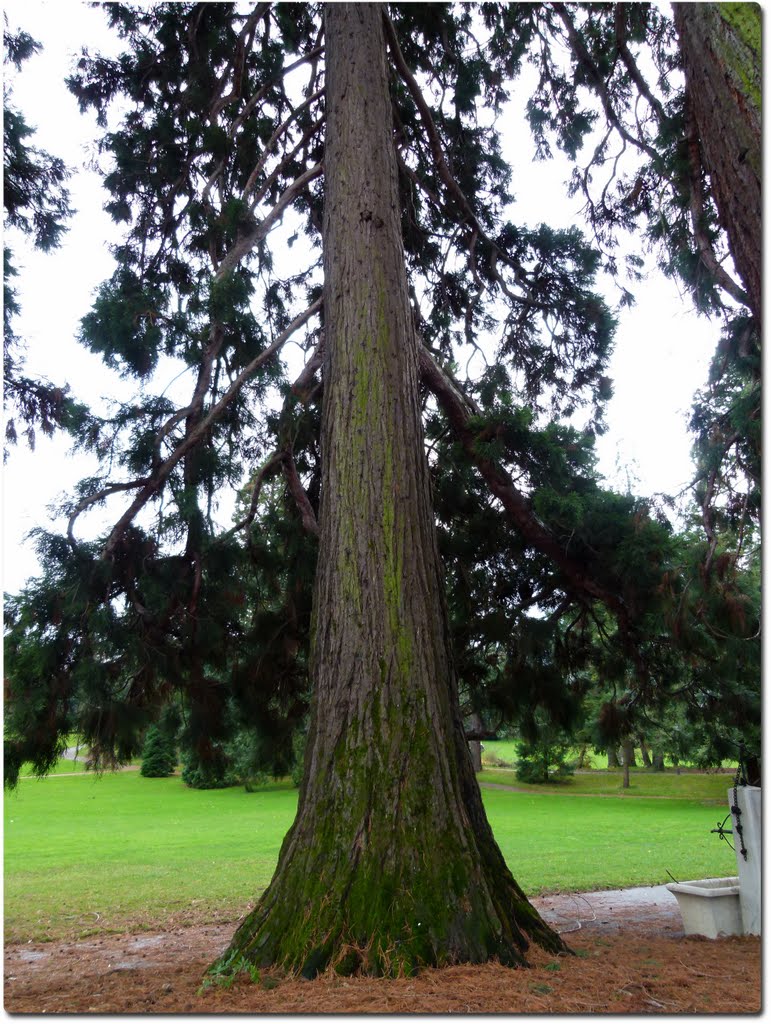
(390, 864)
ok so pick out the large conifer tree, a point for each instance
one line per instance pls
(365, 126)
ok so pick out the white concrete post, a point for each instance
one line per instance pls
(748, 802)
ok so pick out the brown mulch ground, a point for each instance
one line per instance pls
(631, 957)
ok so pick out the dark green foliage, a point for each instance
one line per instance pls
(35, 198)
(298, 750)
(212, 773)
(645, 174)
(169, 607)
(159, 755)
(36, 203)
(543, 760)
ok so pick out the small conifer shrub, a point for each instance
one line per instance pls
(159, 755)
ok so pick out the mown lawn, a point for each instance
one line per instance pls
(642, 783)
(64, 766)
(503, 753)
(121, 851)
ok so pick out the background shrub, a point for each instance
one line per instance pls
(159, 754)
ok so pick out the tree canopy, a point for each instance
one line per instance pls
(215, 135)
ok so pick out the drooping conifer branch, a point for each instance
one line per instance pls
(150, 486)
(631, 64)
(598, 83)
(517, 506)
(444, 172)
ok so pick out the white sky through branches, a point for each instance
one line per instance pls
(662, 348)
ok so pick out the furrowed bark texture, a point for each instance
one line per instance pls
(390, 863)
(720, 44)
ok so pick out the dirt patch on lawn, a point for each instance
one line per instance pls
(631, 957)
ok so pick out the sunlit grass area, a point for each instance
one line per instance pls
(503, 754)
(84, 853)
(642, 782)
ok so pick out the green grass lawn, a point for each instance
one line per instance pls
(63, 766)
(85, 853)
(503, 753)
(687, 786)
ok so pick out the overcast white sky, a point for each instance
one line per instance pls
(661, 356)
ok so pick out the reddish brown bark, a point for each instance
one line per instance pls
(390, 863)
(720, 44)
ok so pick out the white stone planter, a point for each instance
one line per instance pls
(709, 906)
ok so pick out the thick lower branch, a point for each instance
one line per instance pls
(516, 504)
(299, 494)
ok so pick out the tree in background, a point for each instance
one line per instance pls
(159, 755)
(693, 195)
(542, 753)
(365, 129)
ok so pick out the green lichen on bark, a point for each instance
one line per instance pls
(740, 47)
(390, 864)
(745, 20)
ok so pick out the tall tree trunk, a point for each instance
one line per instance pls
(613, 761)
(720, 44)
(390, 863)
